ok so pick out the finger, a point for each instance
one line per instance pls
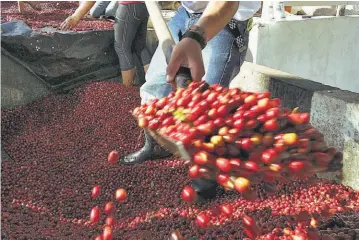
(63, 25)
(67, 26)
(173, 85)
(197, 69)
(173, 65)
(70, 26)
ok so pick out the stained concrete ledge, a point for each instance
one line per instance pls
(294, 91)
(336, 115)
(334, 112)
(18, 85)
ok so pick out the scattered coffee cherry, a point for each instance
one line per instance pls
(121, 195)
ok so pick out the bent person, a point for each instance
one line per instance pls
(130, 31)
(213, 46)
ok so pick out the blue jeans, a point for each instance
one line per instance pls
(221, 58)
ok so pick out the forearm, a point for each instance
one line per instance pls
(216, 16)
(21, 6)
(84, 8)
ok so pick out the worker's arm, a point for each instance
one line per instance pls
(216, 16)
(80, 12)
(188, 51)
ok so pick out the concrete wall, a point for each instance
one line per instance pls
(325, 50)
(334, 112)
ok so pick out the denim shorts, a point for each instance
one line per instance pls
(222, 58)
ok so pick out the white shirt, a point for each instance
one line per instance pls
(246, 8)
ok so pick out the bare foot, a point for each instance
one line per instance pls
(127, 83)
(128, 77)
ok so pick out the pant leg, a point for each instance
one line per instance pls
(141, 48)
(242, 40)
(220, 57)
(139, 44)
(146, 56)
(246, 26)
(156, 85)
(99, 8)
(125, 30)
(111, 9)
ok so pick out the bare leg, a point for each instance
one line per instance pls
(128, 77)
(145, 68)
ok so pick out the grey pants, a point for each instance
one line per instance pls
(130, 35)
(104, 8)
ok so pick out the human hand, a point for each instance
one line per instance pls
(186, 53)
(69, 23)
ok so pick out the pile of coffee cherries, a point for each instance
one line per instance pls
(61, 148)
(52, 13)
(239, 138)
